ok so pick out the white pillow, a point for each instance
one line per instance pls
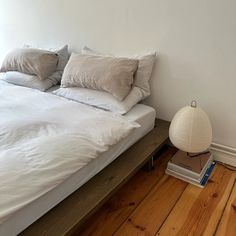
(30, 81)
(101, 99)
(2, 75)
(143, 73)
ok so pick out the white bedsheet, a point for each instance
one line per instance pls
(142, 114)
(44, 139)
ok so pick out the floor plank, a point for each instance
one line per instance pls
(152, 203)
(151, 213)
(107, 220)
(198, 211)
(227, 225)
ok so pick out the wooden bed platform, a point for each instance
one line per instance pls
(69, 215)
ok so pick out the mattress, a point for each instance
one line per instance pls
(140, 113)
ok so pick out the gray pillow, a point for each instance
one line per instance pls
(114, 75)
(30, 81)
(31, 61)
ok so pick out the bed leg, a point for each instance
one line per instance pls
(150, 166)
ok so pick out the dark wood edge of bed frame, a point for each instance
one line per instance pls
(68, 216)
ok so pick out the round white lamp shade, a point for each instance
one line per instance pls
(190, 129)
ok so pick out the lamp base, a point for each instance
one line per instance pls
(192, 169)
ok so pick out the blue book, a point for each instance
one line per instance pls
(208, 174)
(200, 183)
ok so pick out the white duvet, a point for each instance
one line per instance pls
(44, 139)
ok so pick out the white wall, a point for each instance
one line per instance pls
(196, 41)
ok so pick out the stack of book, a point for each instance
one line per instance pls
(193, 169)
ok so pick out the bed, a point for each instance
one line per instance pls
(140, 121)
(64, 151)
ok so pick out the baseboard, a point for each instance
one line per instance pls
(224, 154)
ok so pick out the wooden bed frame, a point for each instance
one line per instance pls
(68, 216)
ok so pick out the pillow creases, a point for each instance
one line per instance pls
(29, 81)
(143, 73)
(63, 57)
(113, 75)
(31, 61)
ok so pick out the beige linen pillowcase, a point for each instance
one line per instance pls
(143, 73)
(31, 61)
(113, 75)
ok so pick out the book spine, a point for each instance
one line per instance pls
(178, 175)
(208, 173)
(188, 172)
(182, 170)
(184, 179)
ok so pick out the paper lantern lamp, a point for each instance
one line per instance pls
(191, 130)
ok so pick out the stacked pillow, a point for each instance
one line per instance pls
(110, 74)
(110, 83)
(35, 68)
(143, 73)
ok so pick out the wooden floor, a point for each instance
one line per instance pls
(152, 203)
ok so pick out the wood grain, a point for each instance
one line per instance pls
(67, 217)
(227, 225)
(198, 211)
(118, 208)
(151, 213)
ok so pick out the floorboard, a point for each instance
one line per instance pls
(227, 225)
(152, 203)
(118, 208)
(198, 211)
(149, 216)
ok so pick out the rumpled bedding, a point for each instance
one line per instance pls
(44, 139)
